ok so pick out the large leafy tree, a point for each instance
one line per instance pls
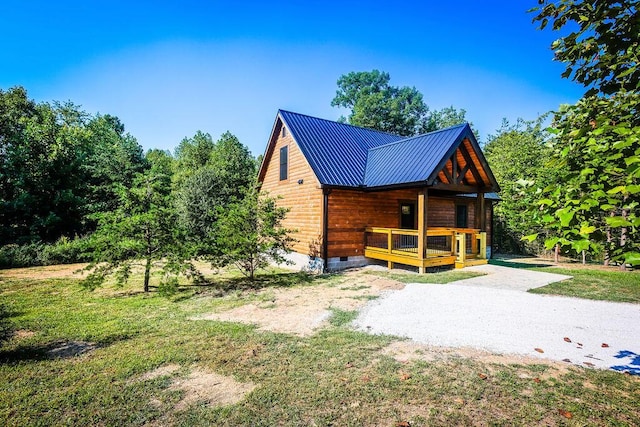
(221, 179)
(518, 154)
(142, 230)
(593, 202)
(58, 165)
(376, 104)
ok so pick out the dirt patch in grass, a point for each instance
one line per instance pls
(47, 272)
(160, 371)
(409, 351)
(302, 310)
(67, 349)
(22, 334)
(210, 388)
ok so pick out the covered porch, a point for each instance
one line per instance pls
(424, 246)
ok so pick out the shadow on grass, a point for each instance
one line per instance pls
(224, 286)
(58, 349)
(512, 262)
(633, 362)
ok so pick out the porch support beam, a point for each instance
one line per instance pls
(481, 211)
(448, 175)
(463, 173)
(422, 225)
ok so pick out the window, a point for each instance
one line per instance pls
(284, 159)
(461, 216)
(284, 131)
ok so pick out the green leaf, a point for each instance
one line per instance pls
(632, 258)
(530, 238)
(587, 171)
(565, 216)
(580, 245)
(551, 242)
(617, 189)
(633, 189)
(587, 229)
(617, 221)
(545, 202)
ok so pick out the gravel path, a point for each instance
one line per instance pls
(493, 313)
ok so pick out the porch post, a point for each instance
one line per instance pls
(481, 212)
(422, 226)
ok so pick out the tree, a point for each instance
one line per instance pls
(251, 234)
(111, 157)
(592, 203)
(192, 154)
(375, 104)
(224, 178)
(602, 52)
(446, 117)
(58, 165)
(518, 154)
(143, 227)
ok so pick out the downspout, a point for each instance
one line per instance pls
(325, 228)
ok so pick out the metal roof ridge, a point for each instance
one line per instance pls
(280, 110)
(418, 136)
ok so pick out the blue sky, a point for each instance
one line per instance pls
(170, 68)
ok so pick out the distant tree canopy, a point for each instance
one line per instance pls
(375, 104)
(58, 165)
(592, 204)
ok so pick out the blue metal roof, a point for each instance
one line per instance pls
(343, 155)
(337, 152)
(411, 160)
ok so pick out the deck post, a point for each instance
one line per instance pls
(483, 245)
(481, 212)
(421, 222)
(389, 247)
(462, 247)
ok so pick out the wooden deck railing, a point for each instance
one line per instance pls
(442, 246)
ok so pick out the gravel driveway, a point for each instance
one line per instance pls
(494, 313)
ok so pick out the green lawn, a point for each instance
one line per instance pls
(441, 277)
(335, 377)
(587, 282)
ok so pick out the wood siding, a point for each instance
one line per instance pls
(351, 211)
(304, 200)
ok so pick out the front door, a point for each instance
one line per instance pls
(408, 215)
(461, 216)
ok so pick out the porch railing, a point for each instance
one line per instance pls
(463, 243)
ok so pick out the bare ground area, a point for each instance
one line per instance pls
(407, 351)
(202, 386)
(46, 272)
(301, 311)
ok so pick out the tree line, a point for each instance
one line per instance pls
(78, 187)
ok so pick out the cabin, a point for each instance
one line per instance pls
(358, 195)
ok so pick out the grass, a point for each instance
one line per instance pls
(442, 277)
(335, 377)
(587, 282)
